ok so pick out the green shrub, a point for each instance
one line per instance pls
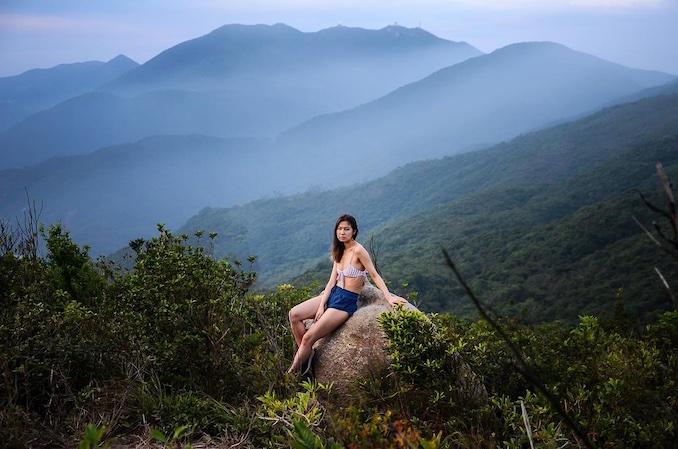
(51, 331)
(178, 342)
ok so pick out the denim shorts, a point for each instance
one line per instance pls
(341, 299)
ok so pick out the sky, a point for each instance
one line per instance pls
(43, 33)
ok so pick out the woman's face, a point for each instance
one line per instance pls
(344, 231)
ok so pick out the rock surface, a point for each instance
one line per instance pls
(357, 349)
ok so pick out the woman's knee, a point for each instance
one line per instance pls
(295, 314)
(309, 339)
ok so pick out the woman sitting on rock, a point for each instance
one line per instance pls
(339, 300)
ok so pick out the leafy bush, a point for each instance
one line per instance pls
(616, 388)
(175, 312)
(74, 331)
(179, 344)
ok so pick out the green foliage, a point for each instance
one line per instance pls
(297, 417)
(304, 438)
(178, 309)
(50, 331)
(69, 268)
(619, 389)
(422, 353)
(541, 225)
(664, 333)
(186, 409)
(168, 340)
(180, 345)
(92, 438)
(178, 433)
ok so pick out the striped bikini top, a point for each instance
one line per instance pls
(349, 272)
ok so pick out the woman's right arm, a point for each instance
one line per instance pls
(326, 292)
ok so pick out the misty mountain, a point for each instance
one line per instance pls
(236, 81)
(668, 88)
(121, 192)
(483, 100)
(96, 120)
(335, 68)
(554, 251)
(170, 178)
(291, 234)
(38, 89)
(198, 175)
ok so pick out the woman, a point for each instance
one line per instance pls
(339, 300)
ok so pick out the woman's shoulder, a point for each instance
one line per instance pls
(360, 250)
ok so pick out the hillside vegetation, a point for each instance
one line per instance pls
(178, 351)
(552, 251)
(498, 211)
(251, 112)
(182, 339)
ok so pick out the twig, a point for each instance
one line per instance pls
(526, 420)
(673, 217)
(668, 287)
(649, 234)
(374, 253)
(521, 365)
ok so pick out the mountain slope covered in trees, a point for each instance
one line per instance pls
(479, 202)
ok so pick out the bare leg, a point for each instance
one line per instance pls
(302, 311)
(328, 322)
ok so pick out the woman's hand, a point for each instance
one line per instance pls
(395, 300)
(319, 313)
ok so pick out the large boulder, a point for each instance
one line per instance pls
(357, 351)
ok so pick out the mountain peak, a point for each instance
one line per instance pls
(389, 32)
(236, 30)
(231, 54)
(396, 30)
(122, 63)
(121, 58)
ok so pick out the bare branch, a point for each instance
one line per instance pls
(668, 287)
(671, 215)
(673, 218)
(374, 252)
(521, 365)
(649, 234)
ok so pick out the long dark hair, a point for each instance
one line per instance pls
(337, 246)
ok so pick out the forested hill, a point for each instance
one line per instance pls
(543, 252)
(483, 203)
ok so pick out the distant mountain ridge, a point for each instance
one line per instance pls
(177, 150)
(121, 192)
(477, 102)
(535, 159)
(238, 81)
(231, 54)
(37, 89)
(541, 226)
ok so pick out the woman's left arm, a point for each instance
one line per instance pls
(366, 260)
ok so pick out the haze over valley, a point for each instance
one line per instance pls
(278, 110)
(254, 128)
